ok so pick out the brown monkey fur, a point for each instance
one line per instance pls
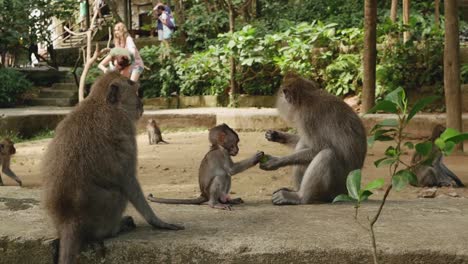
(216, 169)
(435, 174)
(90, 168)
(154, 133)
(7, 149)
(331, 142)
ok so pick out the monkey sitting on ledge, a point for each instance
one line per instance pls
(435, 174)
(90, 168)
(216, 169)
(331, 142)
(7, 149)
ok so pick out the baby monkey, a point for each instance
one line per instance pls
(154, 133)
(216, 169)
(7, 149)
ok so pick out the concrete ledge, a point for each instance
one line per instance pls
(29, 121)
(414, 231)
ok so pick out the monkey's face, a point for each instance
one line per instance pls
(7, 147)
(231, 143)
(284, 104)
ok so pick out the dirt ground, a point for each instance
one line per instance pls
(172, 170)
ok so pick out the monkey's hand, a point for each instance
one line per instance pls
(271, 163)
(273, 136)
(164, 225)
(258, 157)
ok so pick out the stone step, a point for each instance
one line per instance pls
(55, 93)
(54, 101)
(65, 86)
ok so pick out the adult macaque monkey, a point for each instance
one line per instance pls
(436, 174)
(331, 142)
(90, 168)
(216, 169)
(154, 133)
(7, 149)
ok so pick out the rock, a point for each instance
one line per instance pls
(428, 193)
(453, 194)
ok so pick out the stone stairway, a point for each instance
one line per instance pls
(62, 93)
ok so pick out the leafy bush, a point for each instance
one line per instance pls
(344, 75)
(162, 79)
(204, 73)
(464, 73)
(412, 65)
(13, 84)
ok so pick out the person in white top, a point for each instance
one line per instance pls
(123, 40)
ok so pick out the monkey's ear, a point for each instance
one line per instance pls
(113, 96)
(221, 137)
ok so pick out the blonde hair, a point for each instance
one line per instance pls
(120, 35)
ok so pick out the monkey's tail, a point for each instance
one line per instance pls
(164, 141)
(198, 200)
(70, 244)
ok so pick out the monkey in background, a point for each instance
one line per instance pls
(436, 174)
(90, 168)
(154, 133)
(7, 149)
(331, 142)
(216, 169)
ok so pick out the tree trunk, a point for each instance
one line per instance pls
(437, 12)
(370, 54)
(406, 15)
(233, 91)
(452, 88)
(394, 10)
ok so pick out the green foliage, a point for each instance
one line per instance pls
(202, 26)
(23, 22)
(162, 80)
(355, 192)
(414, 64)
(204, 73)
(464, 73)
(13, 84)
(344, 75)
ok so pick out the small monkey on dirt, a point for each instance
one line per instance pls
(90, 168)
(216, 169)
(7, 149)
(154, 133)
(331, 142)
(436, 174)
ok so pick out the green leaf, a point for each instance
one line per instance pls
(375, 184)
(364, 195)
(419, 105)
(384, 161)
(449, 133)
(391, 152)
(409, 145)
(449, 147)
(440, 143)
(343, 198)
(384, 105)
(353, 183)
(459, 138)
(424, 148)
(397, 96)
(402, 178)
